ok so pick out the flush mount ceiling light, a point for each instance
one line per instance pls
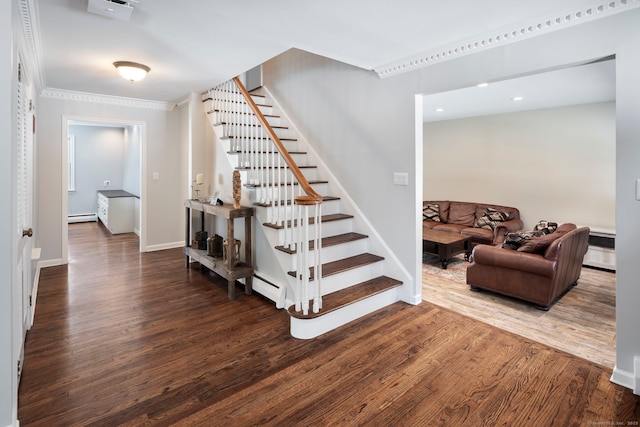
(517, 98)
(131, 71)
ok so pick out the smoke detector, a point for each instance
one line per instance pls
(117, 9)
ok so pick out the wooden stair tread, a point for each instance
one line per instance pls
(250, 124)
(323, 219)
(265, 138)
(288, 202)
(345, 264)
(271, 167)
(329, 241)
(273, 116)
(311, 182)
(265, 152)
(345, 297)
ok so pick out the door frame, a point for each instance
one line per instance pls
(66, 119)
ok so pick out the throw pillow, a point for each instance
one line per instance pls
(546, 226)
(431, 212)
(514, 240)
(491, 218)
(538, 245)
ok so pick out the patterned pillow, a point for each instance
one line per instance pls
(491, 218)
(546, 226)
(431, 212)
(513, 241)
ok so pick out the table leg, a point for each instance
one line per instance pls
(231, 289)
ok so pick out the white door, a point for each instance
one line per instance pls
(25, 127)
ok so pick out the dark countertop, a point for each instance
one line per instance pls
(116, 193)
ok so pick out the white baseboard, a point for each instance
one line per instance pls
(163, 246)
(34, 292)
(50, 262)
(623, 378)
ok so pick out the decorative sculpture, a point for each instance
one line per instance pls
(237, 189)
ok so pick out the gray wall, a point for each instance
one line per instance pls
(556, 164)
(365, 129)
(162, 197)
(99, 156)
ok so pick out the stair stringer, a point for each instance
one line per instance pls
(393, 267)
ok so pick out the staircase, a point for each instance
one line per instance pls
(313, 246)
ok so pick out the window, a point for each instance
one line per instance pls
(71, 167)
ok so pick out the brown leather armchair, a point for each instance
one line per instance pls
(541, 276)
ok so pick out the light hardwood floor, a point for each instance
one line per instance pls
(128, 339)
(582, 322)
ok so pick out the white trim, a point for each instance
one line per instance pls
(68, 95)
(163, 246)
(50, 263)
(34, 291)
(623, 378)
(590, 11)
(30, 19)
(66, 121)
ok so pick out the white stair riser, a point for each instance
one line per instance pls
(343, 280)
(330, 228)
(311, 328)
(328, 208)
(242, 129)
(329, 254)
(257, 176)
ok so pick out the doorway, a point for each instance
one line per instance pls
(510, 155)
(129, 176)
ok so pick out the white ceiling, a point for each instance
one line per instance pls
(192, 45)
(582, 84)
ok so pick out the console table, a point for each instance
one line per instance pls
(230, 268)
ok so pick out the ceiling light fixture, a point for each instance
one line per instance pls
(482, 84)
(131, 71)
(439, 110)
(517, 98)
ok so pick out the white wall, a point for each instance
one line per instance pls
(132, 160)
(365, 130)
(556, 164)
(163, 197)
(99, 156)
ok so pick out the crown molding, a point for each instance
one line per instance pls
(590, 11)
(68, 95)
(30, 20)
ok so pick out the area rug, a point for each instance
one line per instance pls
(581, 323)
(456, 269)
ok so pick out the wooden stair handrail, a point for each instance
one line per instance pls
(312, 197)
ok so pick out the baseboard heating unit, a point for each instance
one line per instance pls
(89, 217)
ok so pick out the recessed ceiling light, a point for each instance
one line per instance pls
(517, 98)
(482, 84)
(439, 110)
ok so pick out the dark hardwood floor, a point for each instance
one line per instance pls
(123, 338)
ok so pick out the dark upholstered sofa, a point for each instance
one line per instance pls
(472, 219)
(539, 271)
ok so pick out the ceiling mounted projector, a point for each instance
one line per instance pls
(117, 9)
